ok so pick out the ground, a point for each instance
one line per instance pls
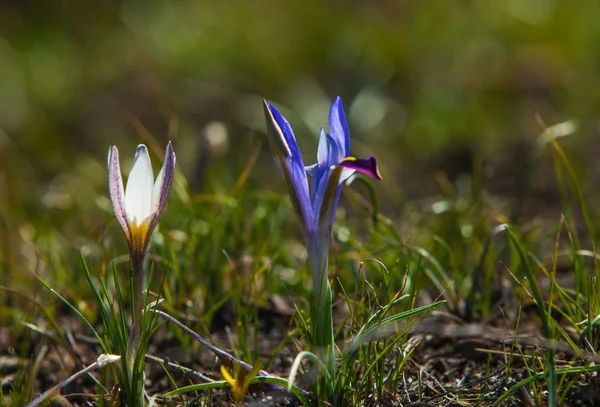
(451, 363)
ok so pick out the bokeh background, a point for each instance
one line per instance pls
(437, 90)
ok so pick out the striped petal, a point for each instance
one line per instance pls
(116, 190)
(162, 187)
(164, 180)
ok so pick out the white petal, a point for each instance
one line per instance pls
(156, 189)
(140, 185)
(346, 173)
(310, 169)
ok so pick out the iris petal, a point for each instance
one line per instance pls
(338, 128)
(140, 184)
(367, 166)
(334, 154)
(281, 136)
(310, 169)
(346, 173)
(286, 153)
(328, 199)
(323, 149)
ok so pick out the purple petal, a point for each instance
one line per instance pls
(281, 136)
(320, 169)
(367, 166)
(287, 156)
(162, 187)
(335, 155)
(322, 151)
(329, 201)
(338, 128)
(329, 195)
(116, 189)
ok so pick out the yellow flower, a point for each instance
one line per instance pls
(239, 384)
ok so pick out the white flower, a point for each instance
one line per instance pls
(139, 206)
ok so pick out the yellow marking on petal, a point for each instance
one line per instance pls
(349, 159)
(139, 235)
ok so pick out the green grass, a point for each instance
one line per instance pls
(455, 260)
(491, 228)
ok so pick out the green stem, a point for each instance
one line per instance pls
(323, 335)
(135, 334)
(138, 299)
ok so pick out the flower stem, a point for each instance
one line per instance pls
(135, 371)
(323, 337)
(138, 300)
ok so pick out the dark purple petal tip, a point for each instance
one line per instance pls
(367, 166)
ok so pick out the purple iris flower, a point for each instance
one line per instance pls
(315, 205)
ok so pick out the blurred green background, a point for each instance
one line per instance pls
(429, 87)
